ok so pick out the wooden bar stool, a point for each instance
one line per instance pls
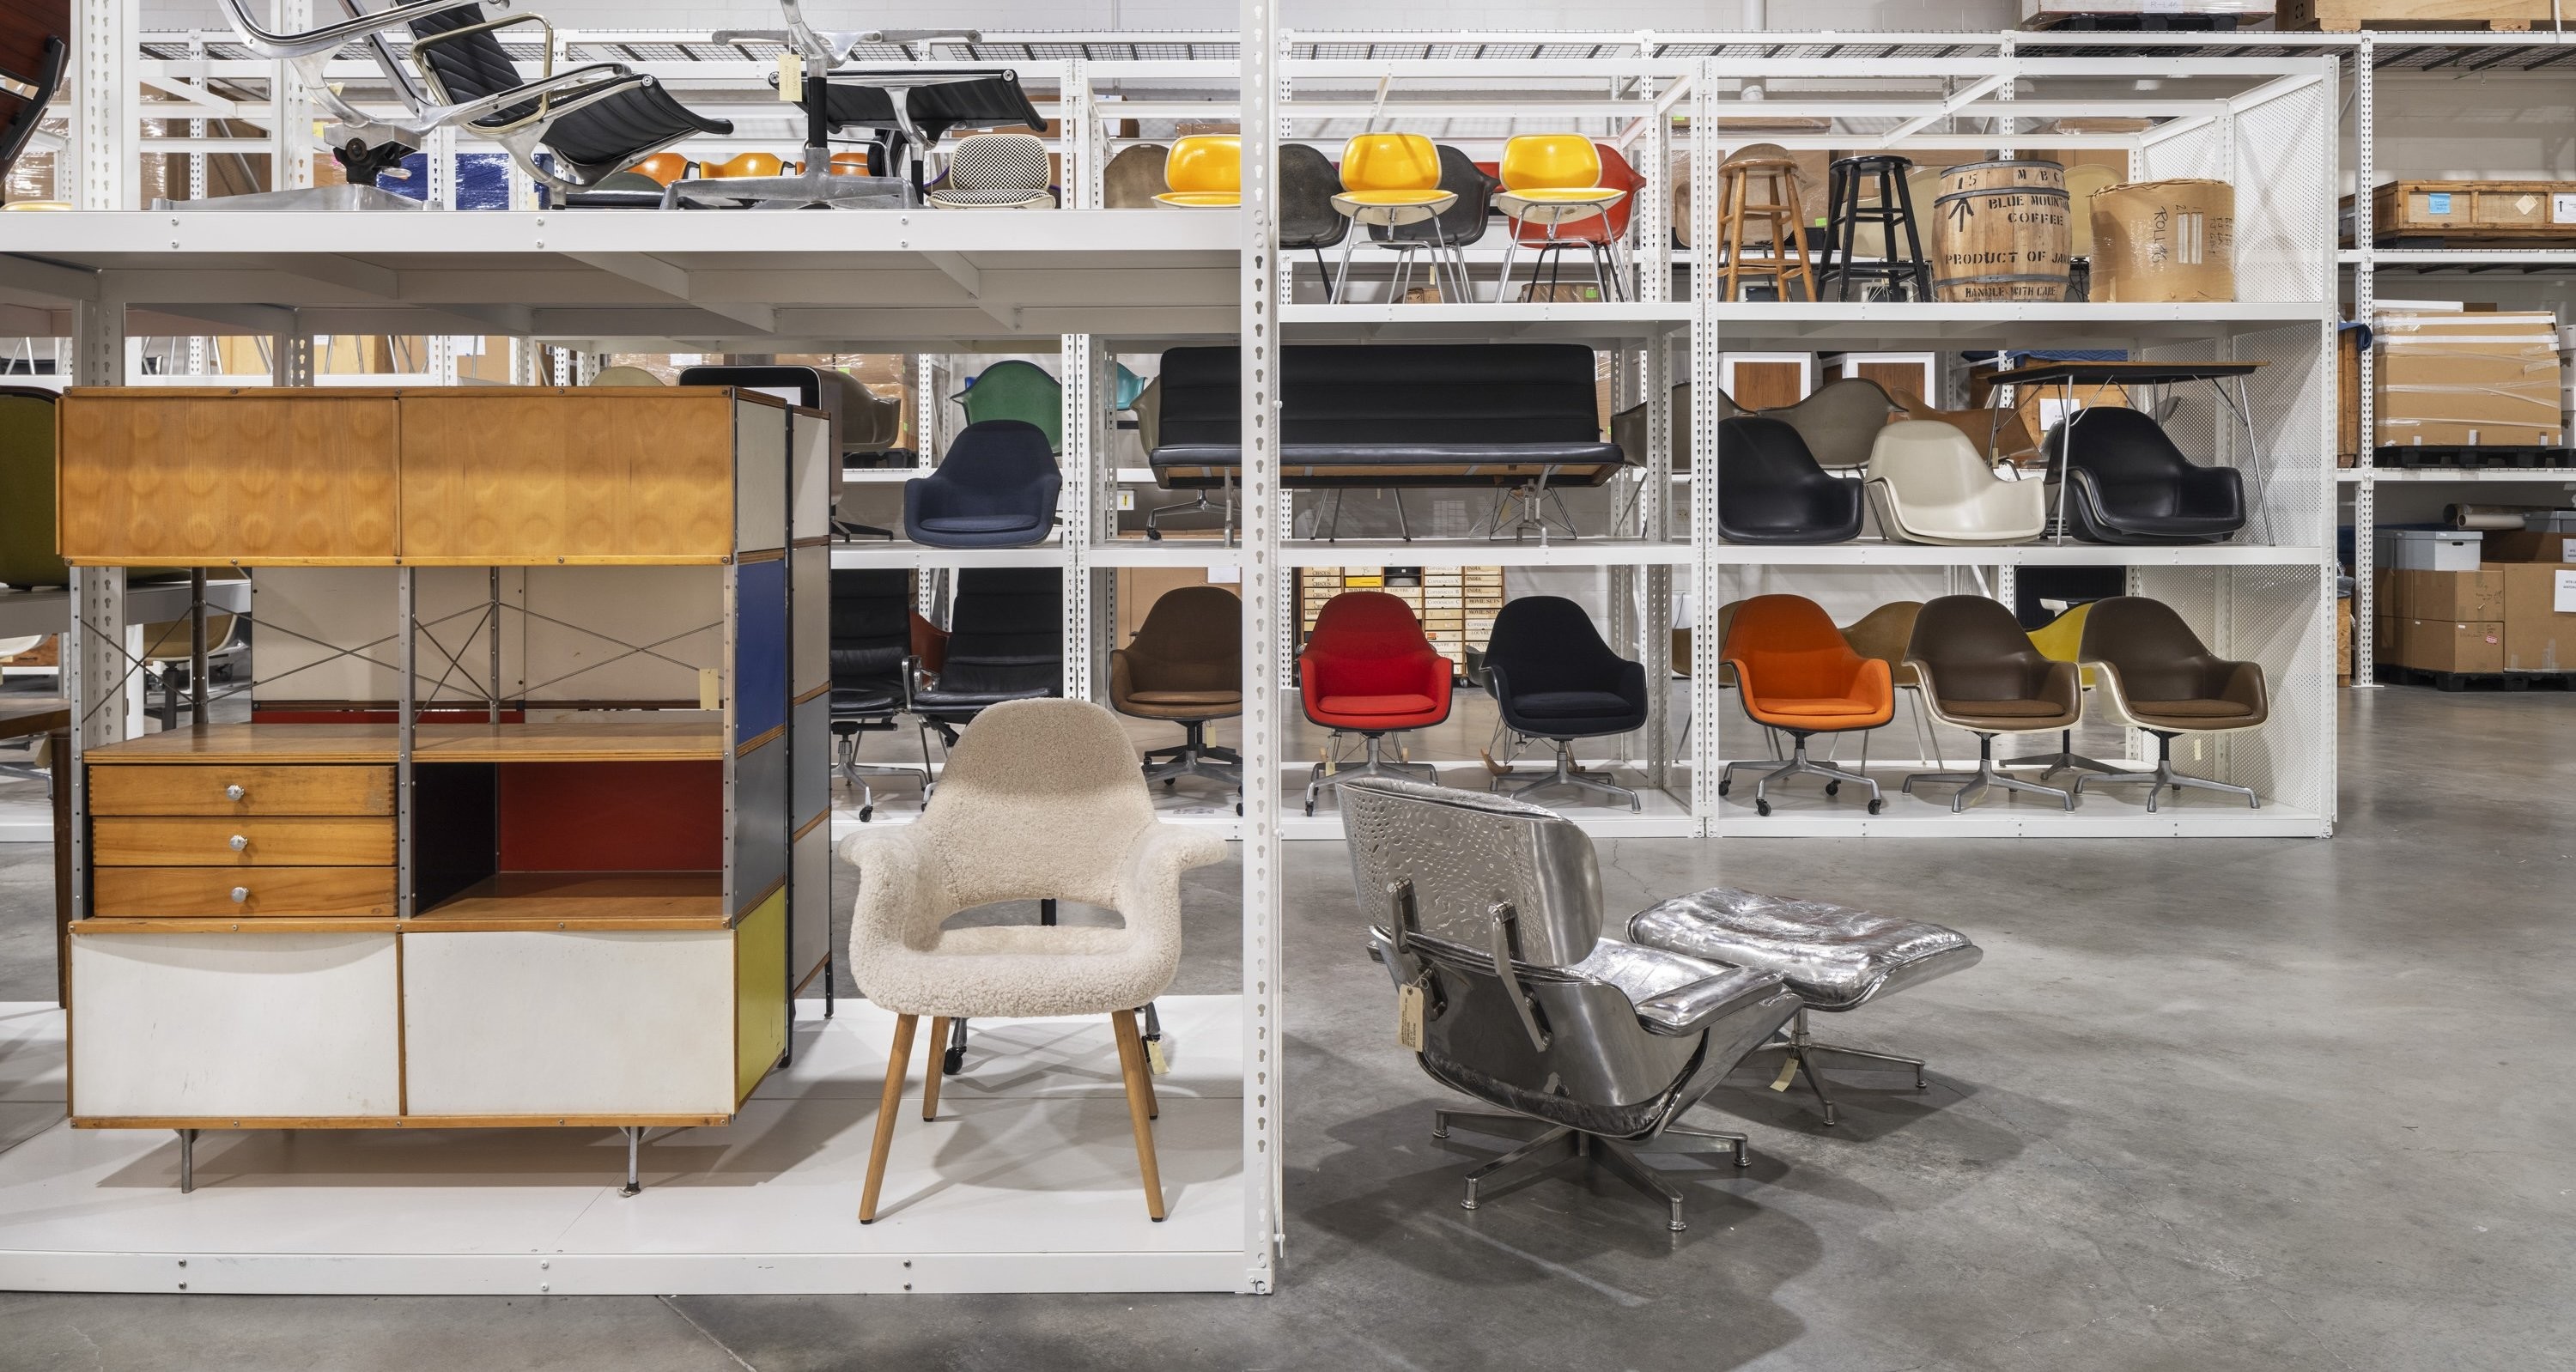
(1761, 183)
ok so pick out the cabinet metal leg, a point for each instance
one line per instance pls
(187, 1161)
(634, 1145)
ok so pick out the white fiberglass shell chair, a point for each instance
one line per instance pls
(1928, 484)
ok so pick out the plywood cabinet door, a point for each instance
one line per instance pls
(609, 476)
(205, 478)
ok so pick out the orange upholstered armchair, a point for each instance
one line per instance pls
(1795, 672)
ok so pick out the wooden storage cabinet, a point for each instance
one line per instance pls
(258, 841)
(183, 477)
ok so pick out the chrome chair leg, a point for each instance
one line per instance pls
(1566, 774)
(1556, 1144)
(2065, 759)
(1802, 1050)
(2164, 775)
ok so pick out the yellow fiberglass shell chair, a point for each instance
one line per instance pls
(1390, 180)
(2058, 641)
(1205, 172)
(1551, 180)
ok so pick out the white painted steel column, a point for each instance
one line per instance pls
(107, 119)
(1704, 345)
(2365, 309)
(1655, 498)
(290, 358)
(291, 137)
(1078, 508)
(1266, 605)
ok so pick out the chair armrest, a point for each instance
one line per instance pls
(1149, 880)
(1437, 675)
(902, 895)
(2213, 490)
(1122, 675)
(279, 47)
(1497, 680)
(929, 644)
(1875, 671)
(1690, 1008)
(920, 499)
(2062, 683)
(2244, 685)
(1632, 683)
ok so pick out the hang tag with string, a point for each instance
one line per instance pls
(1409, 1014)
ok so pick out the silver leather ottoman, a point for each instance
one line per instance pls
(1835, 958)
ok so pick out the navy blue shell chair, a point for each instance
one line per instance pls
(1771, 490)
(997, 489)
(2129, 484)
(1554, 678)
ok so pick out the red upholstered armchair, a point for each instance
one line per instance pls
(1368, 670)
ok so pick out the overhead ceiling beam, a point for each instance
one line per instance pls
(970, 280)
(653, 273)
(34, 281)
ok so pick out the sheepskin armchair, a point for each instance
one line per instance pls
(1042, 799)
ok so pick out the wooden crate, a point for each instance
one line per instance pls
(2345, 16)
(2502, 211)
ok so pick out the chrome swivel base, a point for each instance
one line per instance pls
(1974, 785)
(2164, 775)
(2065, 759)
(1798, 765)
(846, 761)
(1803, 1050)
(1322, 780)
(1566, 775)
(1194, 756)
(1559, 1143)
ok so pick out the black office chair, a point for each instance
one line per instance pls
(871, 648)
(1005, 641)
(2126, 483)
(1555, 679)
(1771, 490)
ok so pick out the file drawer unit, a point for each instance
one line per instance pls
(527, 825)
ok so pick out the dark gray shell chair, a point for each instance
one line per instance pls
(1840, 420)
(2124, 482)
(1454, 229)
(1770, 489)
(1307, 219)
(1134, 177)
(1591, 1047)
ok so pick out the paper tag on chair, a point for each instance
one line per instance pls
(1788, 1073)
(1158, 1055)
(1408, 1015)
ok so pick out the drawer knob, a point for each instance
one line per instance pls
(239, 842)
(233, 792)
(240, 894)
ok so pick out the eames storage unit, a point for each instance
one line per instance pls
(525, 827)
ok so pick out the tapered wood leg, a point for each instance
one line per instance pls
(930, 1073)
(1140, 1091)
(887, 1107)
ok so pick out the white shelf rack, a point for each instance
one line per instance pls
(1879, 554)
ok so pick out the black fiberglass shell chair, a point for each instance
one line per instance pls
(1554, 678)
(1770, 489)
(2125, 482)
(1005, 642)
(871, 649)
(1307, 219)
(1456, 228)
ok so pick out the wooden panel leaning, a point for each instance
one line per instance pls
(178, 477)
(537, 476)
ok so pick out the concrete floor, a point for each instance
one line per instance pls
(2207, 1105)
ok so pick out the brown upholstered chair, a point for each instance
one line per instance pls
(1186, 666)
(1979, 672)
(1999, 434)
(2156, 675)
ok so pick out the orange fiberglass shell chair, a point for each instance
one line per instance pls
(1795, 672)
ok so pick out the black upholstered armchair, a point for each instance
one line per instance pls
(2125, 482)
(1556, 680)
(1770, 489)
(871, 648)
(1005, 641)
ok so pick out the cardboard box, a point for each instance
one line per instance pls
(2459, 378)
(2539, 617)
(2437, 550)
(2413, 594)
(2528, 545)
(2475, 647)
(2343, 642)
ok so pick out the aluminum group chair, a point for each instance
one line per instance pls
(1490, 910)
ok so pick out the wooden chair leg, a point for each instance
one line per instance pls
(1798, 235)
(887, 1107)
(1131, 1064)
(930, 1073)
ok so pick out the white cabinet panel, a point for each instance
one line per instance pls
(760, 476)
(816, 469)
(675, 612)
(809, 907)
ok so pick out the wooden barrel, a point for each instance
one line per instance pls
(2001, 232)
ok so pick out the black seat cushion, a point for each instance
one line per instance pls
(871, 639)
(596, 139)
(1005, 642)
(991, 100)
(2129, 483)
(1548, 669)
(1771, 490)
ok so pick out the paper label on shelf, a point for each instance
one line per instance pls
(2562, 207)
(710, 689)
(2562, 597)
(791, 78)
(2437, 202)
(1225, 576)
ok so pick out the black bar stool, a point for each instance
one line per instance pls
(1906, 274)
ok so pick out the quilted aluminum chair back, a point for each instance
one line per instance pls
(1464, 853)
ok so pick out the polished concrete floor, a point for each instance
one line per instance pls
(2206, 1105)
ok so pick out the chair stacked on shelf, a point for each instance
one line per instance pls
(1794, 672)
(1775, 492)
(997, 489)
(1558, 193)
(1393, 180)
(1004, 642)
(1452, 230)
(996, 171)
(2117, 477)
(1368, 670)
(1185, 666)
(871, 655)
(1981, 673)
(1554, 679)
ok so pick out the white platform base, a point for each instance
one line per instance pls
(1026, 1182)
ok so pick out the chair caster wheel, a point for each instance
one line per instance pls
(1722, 786)
(1762, 808)
(1238, 809)
(1833, 788)
(1877, 805)
(1152, 534)
(952, 1062)
(1170, 782)
(866, 813)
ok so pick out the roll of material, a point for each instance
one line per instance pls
(2489, 516)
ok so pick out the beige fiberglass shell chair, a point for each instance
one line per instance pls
(1491, 910)
(1981, 673)
(1041, 801)
(2155, 675)
(1927, 484)
(1883, 633)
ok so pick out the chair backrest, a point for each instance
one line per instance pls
(1840, 420)
(2116, 445)
(1006, 631)
(871, 630)
(1790, 649)
(1548, 643)
(1056, 767)
(27, 556)
(1390, 162)
(1550, 161)
(1996, 433)
(1464, 852)
(1134, 177)
(624, 375)
(1611, 225)
(1205, 162)
(1775, 490)
(1192, 640)
(1883, 633)
(2157, 656)
(1976, 650)
(2062, 639)
(1307, 181)
(1363, 640)
(1460, 225)
(1928, 463)
(998, 457)
(1334, 394)
(1021, 390)
(743, 164)
(999, 162)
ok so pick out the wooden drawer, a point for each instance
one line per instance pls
(174, 841)
(206, 789)
(180, 892)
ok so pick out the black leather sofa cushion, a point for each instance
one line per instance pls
(1425, 415)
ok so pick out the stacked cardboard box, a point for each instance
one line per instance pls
(2473, 378)
(2513, 614)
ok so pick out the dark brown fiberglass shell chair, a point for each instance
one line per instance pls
(1980, 672)
(1593, 1048)
(1185, 666)
(1840, 420)
(2154, 674)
